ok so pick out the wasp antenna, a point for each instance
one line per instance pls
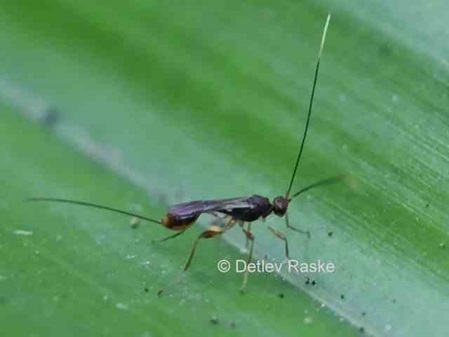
(324, 182)
(309, 114)
(89, 204)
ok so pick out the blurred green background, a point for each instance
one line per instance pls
(143, 104)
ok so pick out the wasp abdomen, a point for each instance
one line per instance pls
(177, 223)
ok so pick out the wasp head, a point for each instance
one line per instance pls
(280, 205)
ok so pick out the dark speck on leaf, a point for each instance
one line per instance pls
(330, 234)
(362, 329)
(146, 289)
(313, 282)
(363, 313)
(281, 295)
(342, 296)
(214, 320)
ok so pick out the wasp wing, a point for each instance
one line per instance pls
(195, 208)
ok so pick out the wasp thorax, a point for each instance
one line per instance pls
(280, 205)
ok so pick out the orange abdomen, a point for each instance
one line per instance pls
(178, 224)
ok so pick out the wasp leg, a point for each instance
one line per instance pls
(210, 233)
(287, 222)
(168, 237)
(248, 228)
(250, 238)
(281, 236)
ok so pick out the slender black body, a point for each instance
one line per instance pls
(243, 210)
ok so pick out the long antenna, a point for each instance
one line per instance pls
(107, 208)
(323, 182)
(309, 114)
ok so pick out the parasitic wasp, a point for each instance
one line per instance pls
(241, 210)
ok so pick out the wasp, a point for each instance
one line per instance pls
(240, 210)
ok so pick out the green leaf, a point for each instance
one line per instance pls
(146, 104)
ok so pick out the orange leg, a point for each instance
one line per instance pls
(250, 238)
(248, 228)
(207, 234)
(210, 233)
